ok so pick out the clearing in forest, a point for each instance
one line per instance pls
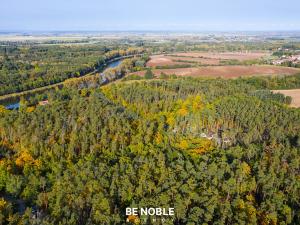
(294, 93)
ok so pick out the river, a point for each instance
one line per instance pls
(16, 104)
(114, 64)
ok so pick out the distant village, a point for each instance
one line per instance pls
(288, 58)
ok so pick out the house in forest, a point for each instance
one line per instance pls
(104, 79)
(226, 140)
(203, 135)
(217, 137)
(45, 102)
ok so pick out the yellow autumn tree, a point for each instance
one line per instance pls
(3, 203)
(195, 145)
(26, 159)
(251, 212)
(158, 138)
(191, 104)
(183, 144)
(197, 103)
(182, 107)
(182, 111)
(250, 197)
(203, 146)
(3, 109)
(30, 109)
(170, 119)
(246, 169)
(133, 219)
(241, 204)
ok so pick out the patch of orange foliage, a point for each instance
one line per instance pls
(3, 109)
(196, 145)
(158, 138)
(203, 146)
(182, 112)
(133, 219)
(191, 104)
(30, 109)
(26, 159)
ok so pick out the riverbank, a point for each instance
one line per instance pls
(12, 99)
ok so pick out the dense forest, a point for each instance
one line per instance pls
(218, 151)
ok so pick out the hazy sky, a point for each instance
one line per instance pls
(194, 15)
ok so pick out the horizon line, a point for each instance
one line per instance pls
(137, 30)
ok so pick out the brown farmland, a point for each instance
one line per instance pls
(294, 93)
(225, 55)
(205, 61)
(163, 60)
(203, 58)
(228, 71)
(160, 60)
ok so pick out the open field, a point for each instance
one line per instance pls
(166, 60)
(228, 71)
(204, 61)
(204, 58)
(294, 93)
(160, 60)
(225, 55)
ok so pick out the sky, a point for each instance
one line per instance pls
(160, 15)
